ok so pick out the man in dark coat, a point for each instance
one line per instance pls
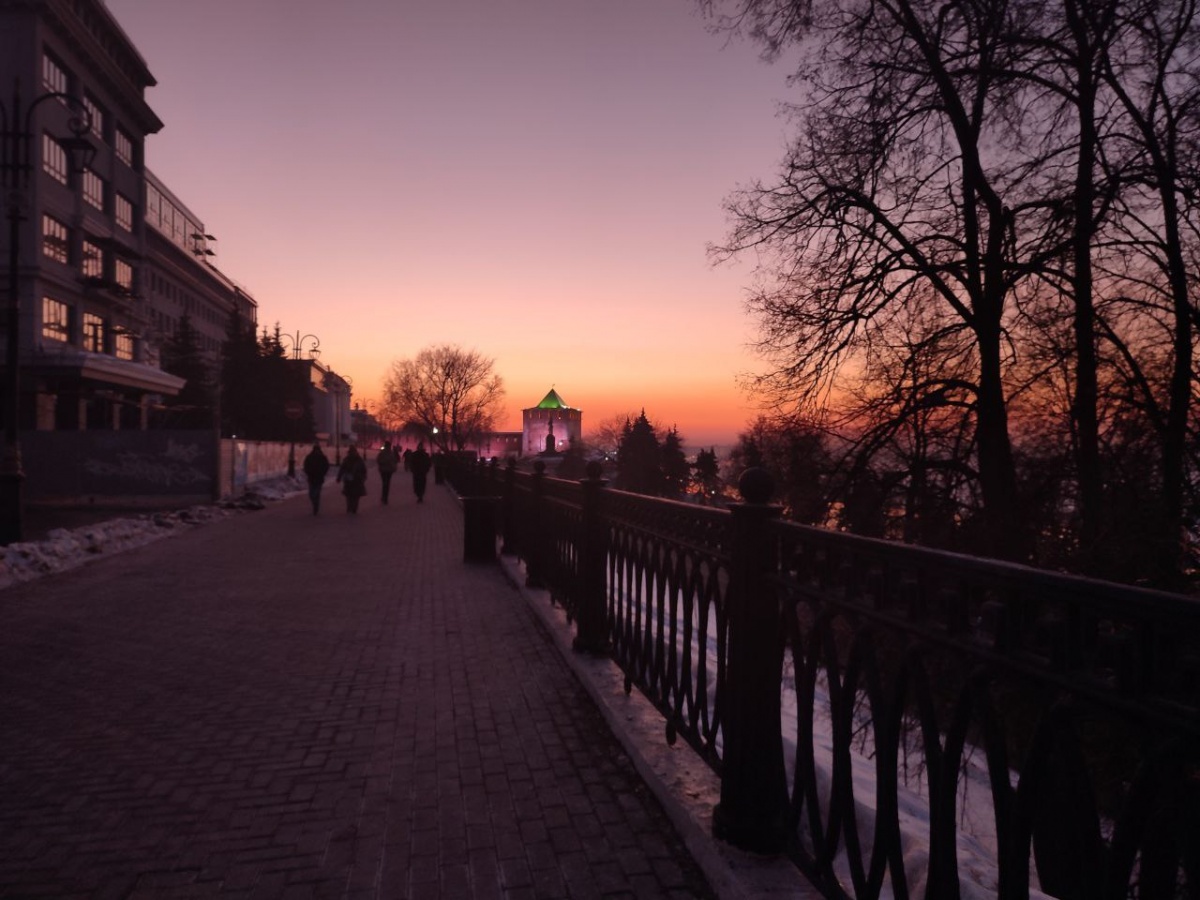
(419, 464)
(316, 467)
(385, 462)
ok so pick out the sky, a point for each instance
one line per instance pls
(537, 180)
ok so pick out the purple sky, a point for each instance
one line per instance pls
(533, 179)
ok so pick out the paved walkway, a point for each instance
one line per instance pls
(282, 705)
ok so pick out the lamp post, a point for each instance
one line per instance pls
(296, 344)
(294, 409)
(16, 166)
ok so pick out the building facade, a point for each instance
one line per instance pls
(551, 426)
(77, 211)
(180, 280)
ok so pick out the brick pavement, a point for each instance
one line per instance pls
(282, 705)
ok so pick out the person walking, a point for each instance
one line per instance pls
(353, 475)
(385, 462)
(419, 464)
(316, 467)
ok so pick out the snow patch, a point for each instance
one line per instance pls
(65, 549)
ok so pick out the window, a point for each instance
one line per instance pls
(123, 212)
(93, 260)
(54, 76)
(96, 114)
(93, 333)
(54, 159)
(54, 239)
(123, 274)
(123, 145)
(93, 189)
(56, 320)
(123, 345)
(153, 207)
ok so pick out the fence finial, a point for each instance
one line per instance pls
(756, 485)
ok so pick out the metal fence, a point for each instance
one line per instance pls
(900, 721)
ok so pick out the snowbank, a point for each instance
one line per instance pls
(65, 549)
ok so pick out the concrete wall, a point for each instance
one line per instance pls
(119, 468)
(242, 463)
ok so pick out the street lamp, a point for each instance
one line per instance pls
(295, 344)
(16, 166)
(294, 409)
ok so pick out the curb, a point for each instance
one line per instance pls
(685, 786)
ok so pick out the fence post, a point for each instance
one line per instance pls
(751, 814)
(591, 634)
(532, 538)
(508, 515)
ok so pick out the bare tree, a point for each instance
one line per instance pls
(450, 392)
(979, 255)
(905, 187)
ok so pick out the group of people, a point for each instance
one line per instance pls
(352, 473)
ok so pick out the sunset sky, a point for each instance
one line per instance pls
(533, 179)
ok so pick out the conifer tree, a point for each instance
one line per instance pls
(639, 460)
(676, 471)
(707, 474)
(182, 355)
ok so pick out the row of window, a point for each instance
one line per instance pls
(56, 243)
(56, 80)
(94, 330)
(173, 221)
(190, 304)
(92, 186)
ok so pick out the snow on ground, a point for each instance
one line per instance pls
(65, 549)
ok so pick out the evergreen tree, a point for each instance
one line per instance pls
(707, 475)
(676, 471)
(182, 355)
(239, 364)
(639, 460)
(257, 383)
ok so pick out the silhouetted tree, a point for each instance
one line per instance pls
(706, 475)
(183, 355)
(258, 382)
(676, 470)
(605, 437)
(1020, 181)
(639, 460)
(795, 454)
(448, 389)
(239, 367)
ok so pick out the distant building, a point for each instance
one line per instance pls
(180, 280)
(550, 426)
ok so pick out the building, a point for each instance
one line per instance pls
(84, 354)
(550, 426)
(179, 278)
(329, 393)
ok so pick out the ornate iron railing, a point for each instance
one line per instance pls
(900, 721)
(1078, 699)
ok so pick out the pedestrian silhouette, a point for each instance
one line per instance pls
(419, 464)
(353, 476)
(316, 467)
(385, 462)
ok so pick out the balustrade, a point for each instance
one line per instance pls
(900, 721)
